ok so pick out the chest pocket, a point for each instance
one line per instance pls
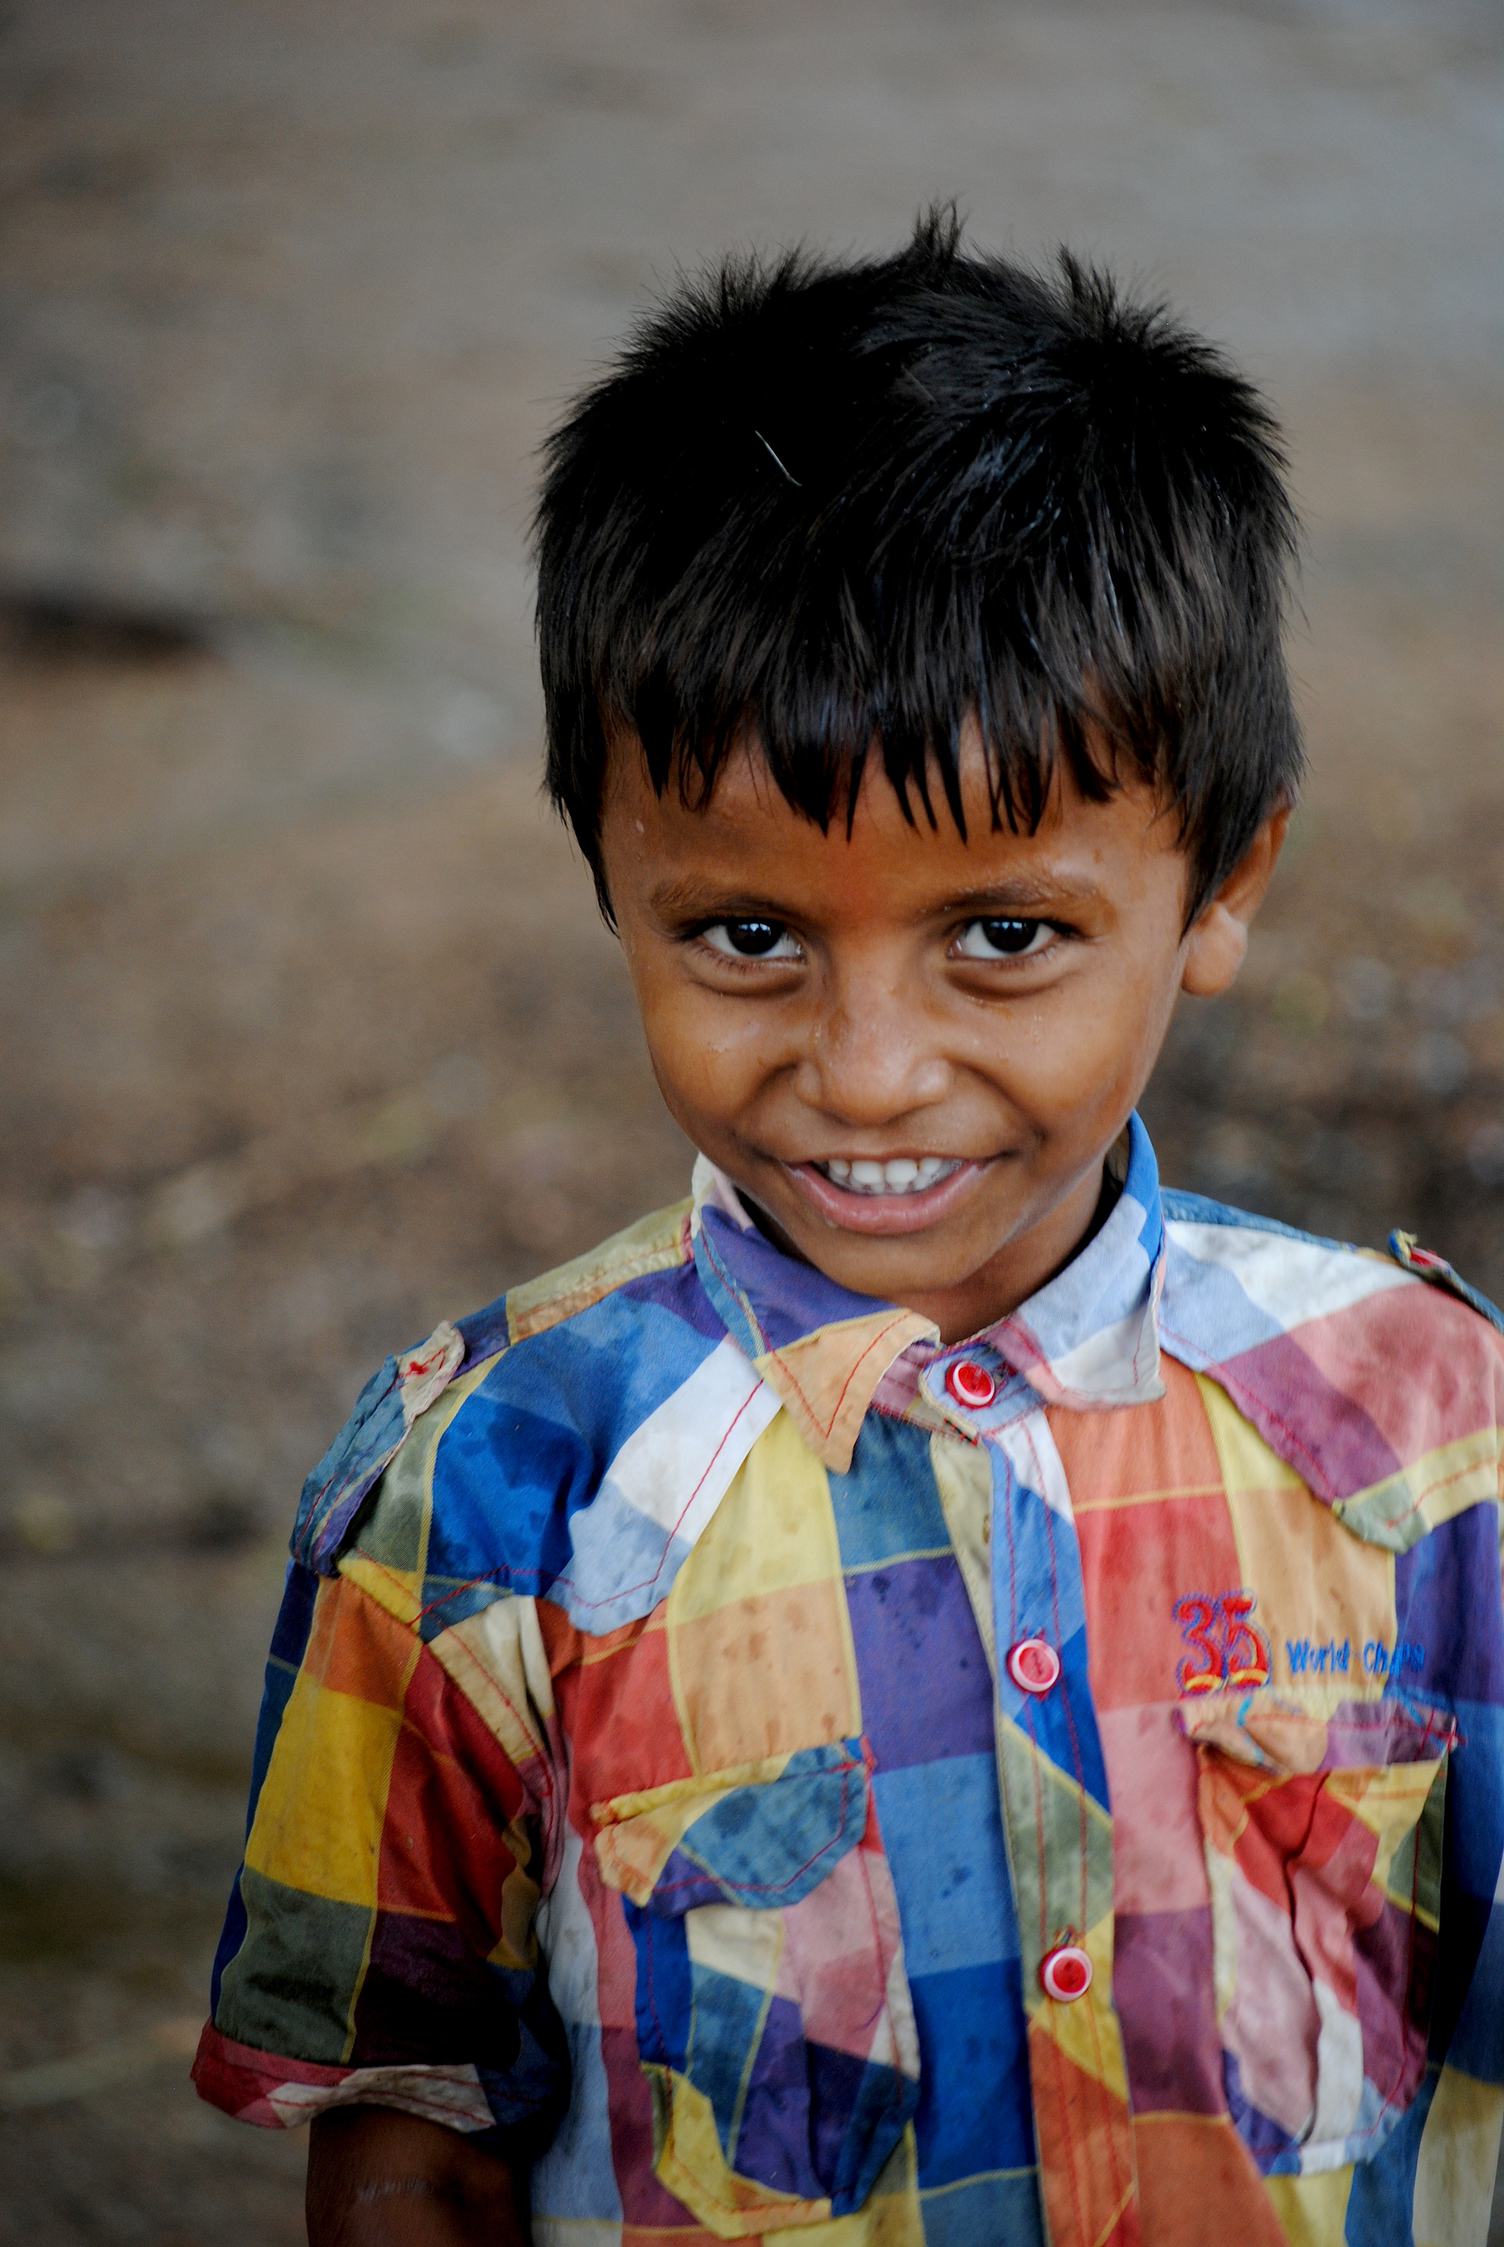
(1323, 1844)
(774, 2021)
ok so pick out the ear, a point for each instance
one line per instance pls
(1217, 942)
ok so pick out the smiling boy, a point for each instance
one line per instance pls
(910, 1047)
(936, 1693)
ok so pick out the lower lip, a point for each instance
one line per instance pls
(883, 1213)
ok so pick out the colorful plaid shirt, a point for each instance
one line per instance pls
(769, 1770)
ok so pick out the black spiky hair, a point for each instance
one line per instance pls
(836, 507)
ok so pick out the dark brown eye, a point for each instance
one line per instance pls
(1001, 937)
(751, 940)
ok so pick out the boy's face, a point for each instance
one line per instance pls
(910, 1051)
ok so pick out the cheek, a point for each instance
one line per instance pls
(1074, 1063)
(707, 1056)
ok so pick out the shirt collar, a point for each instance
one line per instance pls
(1088, 1339)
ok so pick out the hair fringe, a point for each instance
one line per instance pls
(842, 506)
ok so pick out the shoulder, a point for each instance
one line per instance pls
(1378, 1377)
(470, 1465)
(456, 1358)
(1296, 1276)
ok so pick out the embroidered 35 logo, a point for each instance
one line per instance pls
(1225, 1647)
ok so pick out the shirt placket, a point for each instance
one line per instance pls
(1059, 1836)
(1055, 1816)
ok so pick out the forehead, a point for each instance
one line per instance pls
(747, 840)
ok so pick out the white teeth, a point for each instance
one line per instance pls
(904, 1175)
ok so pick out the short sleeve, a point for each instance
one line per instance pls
(379, 1945)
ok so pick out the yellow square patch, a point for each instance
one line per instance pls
(319, 1818)
(774, 1528)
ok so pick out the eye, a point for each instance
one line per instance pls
(998, 938)
(750, 940)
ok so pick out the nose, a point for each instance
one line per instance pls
(871, 1055)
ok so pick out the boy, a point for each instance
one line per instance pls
(935, 1693)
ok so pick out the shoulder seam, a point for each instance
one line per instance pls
(585, 1295)
(594, 1285)
(1402, 1255)
(1181, 1208)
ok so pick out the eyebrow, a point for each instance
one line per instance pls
(675, 899)
(1018, 896)
(1023, 894)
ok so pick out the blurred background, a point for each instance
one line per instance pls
(310, 1033)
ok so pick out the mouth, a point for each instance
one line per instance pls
(903, 1195)
(905, 1175)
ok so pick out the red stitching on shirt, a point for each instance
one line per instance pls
(782, 1362)
(1121, 2188)
(582, 1296)
(1085, 1841)
(900, 2082)
(541, 1747)
(1225, 1378)
(1031, 1713)
(1062, 2109)
(425, 1650)
(623, 1591)
(773, 1887)
(1442, 1482)
(1070, 1720)
(585, 1293)
(1012, 1555)
(1321, 1481)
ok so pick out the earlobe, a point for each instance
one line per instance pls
(1214, 951)
(1217, 943)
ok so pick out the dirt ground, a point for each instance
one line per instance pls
(310, 1033)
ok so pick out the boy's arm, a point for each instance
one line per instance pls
(377, 2178)
(379, 1961)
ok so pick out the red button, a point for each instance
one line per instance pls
(1066, 1973)
(1034, 1666)
(971, 1384)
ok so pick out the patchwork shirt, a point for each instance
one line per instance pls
(769, 1771)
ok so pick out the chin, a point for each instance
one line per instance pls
(885, 1268)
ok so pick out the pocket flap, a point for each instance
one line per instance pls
(1272, 1736)
(761, 1835)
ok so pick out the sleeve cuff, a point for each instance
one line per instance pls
(276, 2093)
